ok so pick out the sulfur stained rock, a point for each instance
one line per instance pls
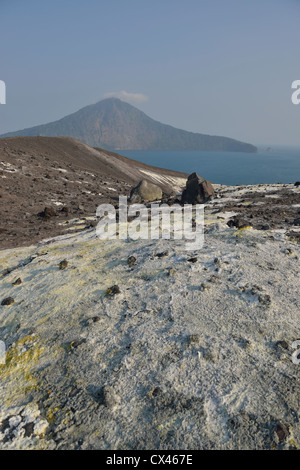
(63, 264)
(144, 192)
(113, 290)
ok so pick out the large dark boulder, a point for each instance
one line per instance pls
(145, 192)
(197, 190)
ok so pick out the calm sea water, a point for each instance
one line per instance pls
(280, 164)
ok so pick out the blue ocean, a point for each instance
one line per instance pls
(268, 165)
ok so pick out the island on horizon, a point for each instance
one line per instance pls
(114, 124)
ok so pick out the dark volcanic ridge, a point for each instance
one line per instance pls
(68, 178)
(115, 125)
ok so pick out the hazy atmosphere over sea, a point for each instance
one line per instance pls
(215, 67)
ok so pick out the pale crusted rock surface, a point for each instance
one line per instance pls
(193, 351)
(144, 192)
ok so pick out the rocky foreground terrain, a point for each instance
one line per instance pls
(68, 178)
(145, 345)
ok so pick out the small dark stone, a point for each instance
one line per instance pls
(63, 264)
(282, 344)
(17, 282)
(113, 290)
(162, 254)
(131, 261)
(297, 221)
(8, 301)
(282, 431)
(95, 319)
(238, 222)
(156, 391)
(297, 183)
(193, 260)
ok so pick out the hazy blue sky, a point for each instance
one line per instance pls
(220, 67)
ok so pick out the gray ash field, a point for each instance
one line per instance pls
(144, 345)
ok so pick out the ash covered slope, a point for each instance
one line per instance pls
(64, 173)
(114, 125)
(193, 357)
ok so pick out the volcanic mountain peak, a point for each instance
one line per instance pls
(114, 125)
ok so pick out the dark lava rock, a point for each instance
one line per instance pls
(297, 221)
(197, 190)
(238, 222)
(8, 301)
(131, 261)
(297, 183)
(156, 391)
(113, 290)
(282, 431)
(162, 254)
(282, 344)
(193, 260)
(17, 282)
(47, 213)
(63, 264)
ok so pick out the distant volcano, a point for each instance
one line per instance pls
(114, 125)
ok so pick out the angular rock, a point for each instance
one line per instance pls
(113, 290)
(282, 431)
(197, 190)
(297, 221)
(63, 264)
(144, 192)
(8, 301)
(238, 222)
(131, 261)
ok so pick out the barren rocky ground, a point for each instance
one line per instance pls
(68, 177)
(145, 345)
